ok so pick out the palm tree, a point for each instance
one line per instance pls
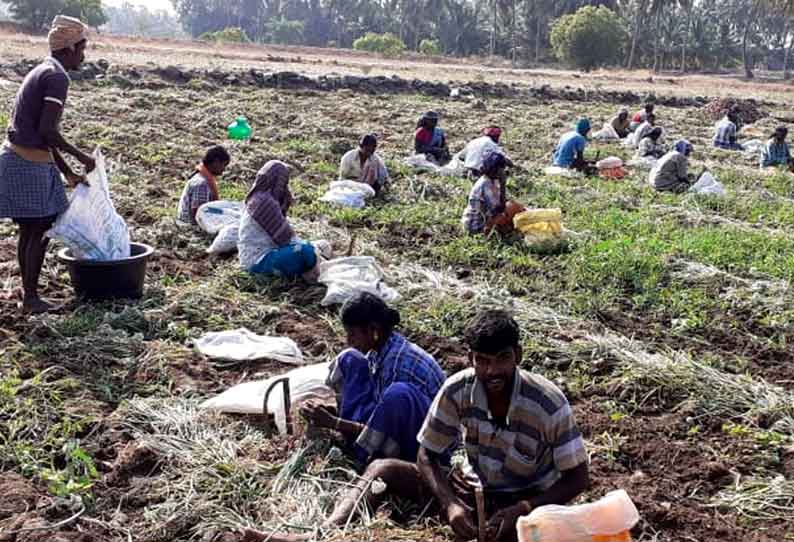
(645, 9)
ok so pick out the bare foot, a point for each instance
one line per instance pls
(252, 535)
(35, 305)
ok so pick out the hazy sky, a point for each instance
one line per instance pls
(151, 4)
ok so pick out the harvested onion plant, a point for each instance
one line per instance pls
(210, 468)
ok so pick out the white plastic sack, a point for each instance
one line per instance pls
(707, 184)
(631, 140)
(645, 162)
(609, 163)
(561, 171)
(420, 162)
(348, 193)
(611, 515)
(248, 398)
(91, 227)
(212, 217)
(225, 242)
(345, 277)
(607, 133)
(455, 167)
(243, 345)
(753, 148)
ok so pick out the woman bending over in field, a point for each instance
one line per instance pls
(267, 244)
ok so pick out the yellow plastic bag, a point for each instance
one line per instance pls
(542, 228)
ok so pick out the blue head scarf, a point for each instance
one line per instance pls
(583, 126)
(683, 146)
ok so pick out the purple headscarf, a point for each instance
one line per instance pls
(269, 200)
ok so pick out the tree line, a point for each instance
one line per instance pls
(685, 35)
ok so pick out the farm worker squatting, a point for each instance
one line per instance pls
(384, 384)
(521, 442)
(620, 123)
(641, 116)
(776, 151)
(430, 140)
(475, 151)
(31, 164)
(650, 146)
(725, 132)
(488, 206)
(267, 244)
(670, 174)
(202, 187)
(570, 149)
(364, 165)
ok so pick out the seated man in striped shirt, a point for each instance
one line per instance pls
(725, 132)
(520, 438)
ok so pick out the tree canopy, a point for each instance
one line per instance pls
(38, 14)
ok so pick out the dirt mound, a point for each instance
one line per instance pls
(748, 109)
(19, 495)
(156, 78)
(135, 460)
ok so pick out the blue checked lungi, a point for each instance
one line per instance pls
(29, 189)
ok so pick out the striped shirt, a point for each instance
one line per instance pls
(197, 192)
(775, 154)
(539, 442)
(725, 134)
(402, 361)
(484, 199)
(399, 361)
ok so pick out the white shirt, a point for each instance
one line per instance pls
(477, 149)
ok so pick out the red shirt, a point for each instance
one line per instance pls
(423, 136)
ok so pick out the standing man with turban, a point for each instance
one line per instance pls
(31, 163)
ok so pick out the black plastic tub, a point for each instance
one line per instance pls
(94, 279)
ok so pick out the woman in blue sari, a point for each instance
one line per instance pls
(384, 383)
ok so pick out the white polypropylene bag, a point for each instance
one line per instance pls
(631, 140)
(562, 171)
(243, 345)
(212, 217)
(226, 241)
(607, 133)
(753, 148)
(611, 515)
(348, 193)
(645, 162)
(609, 163)
(707, 184)
(420, 162)
(345, 277)
(248, 398)
(454, 168)
(91, 227)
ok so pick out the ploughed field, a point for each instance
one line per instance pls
(668, 321)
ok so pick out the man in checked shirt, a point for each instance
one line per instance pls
(519, 436)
